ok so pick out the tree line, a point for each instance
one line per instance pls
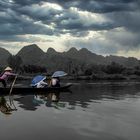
(74, 69)
(16, 63)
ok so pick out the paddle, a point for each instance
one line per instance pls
(13, 85)
(12, 89)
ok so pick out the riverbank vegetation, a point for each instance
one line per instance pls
(77, 71)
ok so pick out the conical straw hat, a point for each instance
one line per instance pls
(8, 68)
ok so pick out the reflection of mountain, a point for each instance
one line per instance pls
(33, 55)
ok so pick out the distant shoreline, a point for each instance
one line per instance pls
(83, 77)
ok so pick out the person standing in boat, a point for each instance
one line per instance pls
(6, 74)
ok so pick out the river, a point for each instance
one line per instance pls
(91, 111)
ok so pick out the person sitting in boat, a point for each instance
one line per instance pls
(55, 82)
(38, 82)
(41, 84)
(4, 77)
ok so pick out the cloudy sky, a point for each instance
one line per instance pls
(102, 26)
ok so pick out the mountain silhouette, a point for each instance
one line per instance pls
(31, 54)
(51, 51)
(53, 60)
(4, 55)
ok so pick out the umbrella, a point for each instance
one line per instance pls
(37, 79)
(59, 74)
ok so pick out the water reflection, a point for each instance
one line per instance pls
(27, 102)
(5, 107)
(32, 102)
(81, 96)
(108, 112)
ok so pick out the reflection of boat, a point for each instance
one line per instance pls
(26, 90)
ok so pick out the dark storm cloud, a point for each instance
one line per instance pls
(39, 13)
(21, 17)
(27, 2)
(128, 20)
(19, 27)
(99, 6)
(14, 19)
(73, 23)
(80, 30)
(14, 23)
(88, 5)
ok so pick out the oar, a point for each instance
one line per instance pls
(12, 89)
(12, 85)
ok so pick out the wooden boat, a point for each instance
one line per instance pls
(28, 90)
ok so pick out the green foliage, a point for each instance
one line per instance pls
(137, 70)
(88, 72)
(114, 68)
(33, 69)
(75, 68)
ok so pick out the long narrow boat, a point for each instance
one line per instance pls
(28, 90)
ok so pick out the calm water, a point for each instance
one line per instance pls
(93, 111)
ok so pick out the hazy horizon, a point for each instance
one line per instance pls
(102, 26)
(67, 51)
